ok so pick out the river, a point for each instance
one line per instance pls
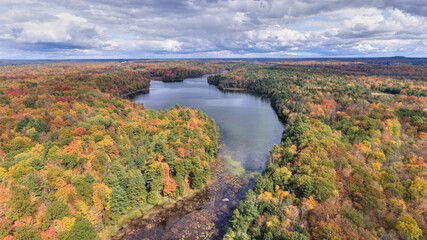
(248, 128)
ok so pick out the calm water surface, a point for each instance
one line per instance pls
(248, 124)
(248, 128)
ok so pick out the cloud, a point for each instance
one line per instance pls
(51, 33)
(64, 28)
(141, 28)
(414, 7)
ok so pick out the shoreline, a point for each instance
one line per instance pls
(233, 89)
(132, 94)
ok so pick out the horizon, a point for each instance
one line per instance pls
(212, 58)
(211, 29)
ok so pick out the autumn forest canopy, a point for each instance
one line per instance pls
(351, 163)
(76, 156)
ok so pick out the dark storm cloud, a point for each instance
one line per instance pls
(139, 28)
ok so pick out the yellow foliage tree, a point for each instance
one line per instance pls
(409, 226)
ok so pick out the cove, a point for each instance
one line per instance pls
(248, 128)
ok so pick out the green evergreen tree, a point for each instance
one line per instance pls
(197, 179)
(37, 163)
(22, 123)
(82, 230)
(136, 192)
(170, 159)
(119, 171)
(180, 184)
(35, 183)
(119, 201)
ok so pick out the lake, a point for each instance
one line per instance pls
(248, 128)
(248, 124)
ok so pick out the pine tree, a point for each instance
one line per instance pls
(197, 179)
(82, 230)
(136, 192)
(119, 171)
(180, 184)
(119, 201)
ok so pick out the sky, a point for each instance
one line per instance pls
(87, 29)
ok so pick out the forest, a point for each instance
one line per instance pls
(351, 162)
(75, 157)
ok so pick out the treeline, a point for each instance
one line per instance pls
(75, 157)
(403, 68)
(178, 71)
(351, 163)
